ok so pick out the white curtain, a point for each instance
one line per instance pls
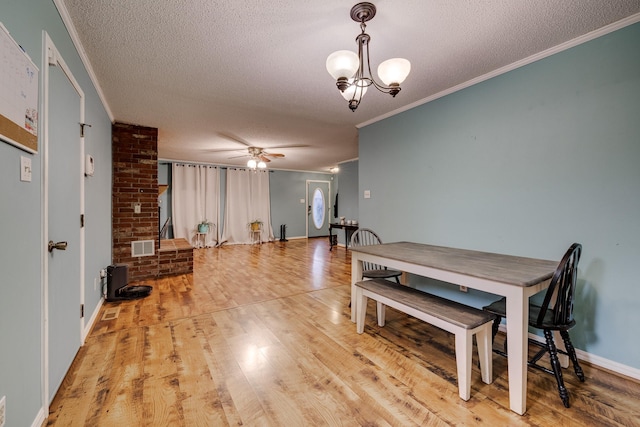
(248, 199)
(195, 198)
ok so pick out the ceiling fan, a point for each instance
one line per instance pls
(259, 153)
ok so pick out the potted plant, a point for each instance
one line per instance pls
(255, 225)
(204, 225)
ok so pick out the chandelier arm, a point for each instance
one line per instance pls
(364, 40)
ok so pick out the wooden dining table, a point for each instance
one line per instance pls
(516, 278)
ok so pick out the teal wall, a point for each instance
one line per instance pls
(21, 220)
(286, 189)
(527, 163)
(348, 195)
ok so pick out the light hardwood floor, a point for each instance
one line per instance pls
(261, 336)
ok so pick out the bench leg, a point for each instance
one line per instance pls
(361, 309)
(464, 347)
(380, 312)
(484, 343)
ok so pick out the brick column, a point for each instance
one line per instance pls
(135, 181)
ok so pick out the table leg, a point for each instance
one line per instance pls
(356, 274)
(517, 348)
(330, 238)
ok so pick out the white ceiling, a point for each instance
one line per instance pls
(217, 75)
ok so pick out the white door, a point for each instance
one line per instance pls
(318, 208)
(63, 188)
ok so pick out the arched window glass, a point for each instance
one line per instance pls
(317, 208)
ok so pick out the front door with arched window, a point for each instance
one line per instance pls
(318, 208)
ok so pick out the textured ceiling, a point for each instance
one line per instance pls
(220, 75)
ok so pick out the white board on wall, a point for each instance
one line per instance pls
(18, 95)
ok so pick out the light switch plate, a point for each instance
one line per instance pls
(367, 194)
(25, 169)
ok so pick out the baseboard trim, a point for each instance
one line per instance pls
(40, 419)
(92, 319)
(601, 362)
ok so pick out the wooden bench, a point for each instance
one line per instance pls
(454, 317)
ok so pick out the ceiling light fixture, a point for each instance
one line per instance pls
(256, 163)
(353, 71)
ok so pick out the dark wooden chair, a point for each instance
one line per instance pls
(367, 237)
(554, 314)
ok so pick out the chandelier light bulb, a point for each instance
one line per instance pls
(251, 163)
(261, 164)
(354, 91)
(394, 71)
(342, 64)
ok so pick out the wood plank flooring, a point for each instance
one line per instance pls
(260, 335)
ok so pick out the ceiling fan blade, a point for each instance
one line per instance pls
(242, 155)
(233, 138)
(222, 150)
(264, 159)
(277, 147)
(274, 154)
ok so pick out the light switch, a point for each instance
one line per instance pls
(25, 169)
(137, 208)
(302, 201)
(367, 194)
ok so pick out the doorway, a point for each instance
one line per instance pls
(63, 206)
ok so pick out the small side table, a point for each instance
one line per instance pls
(256, 236)
(348, 230)
(201, 240)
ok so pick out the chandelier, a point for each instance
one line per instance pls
(353, 71)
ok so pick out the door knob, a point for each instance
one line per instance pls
(60, 246)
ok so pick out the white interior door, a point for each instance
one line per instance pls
(64, 207)
(318, 208)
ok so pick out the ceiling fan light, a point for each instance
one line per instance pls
(342, 63)
(251, 163)
(394, 71)
(261, 165)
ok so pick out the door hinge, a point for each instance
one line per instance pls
(81, 310)
(81, 220)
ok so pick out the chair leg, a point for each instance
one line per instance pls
(495, 327)
(571, 351)
(557, 369)
(494, 331)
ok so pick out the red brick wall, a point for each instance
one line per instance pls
(135, 180)
(178, 261)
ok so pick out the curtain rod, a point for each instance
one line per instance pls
(219, 167)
